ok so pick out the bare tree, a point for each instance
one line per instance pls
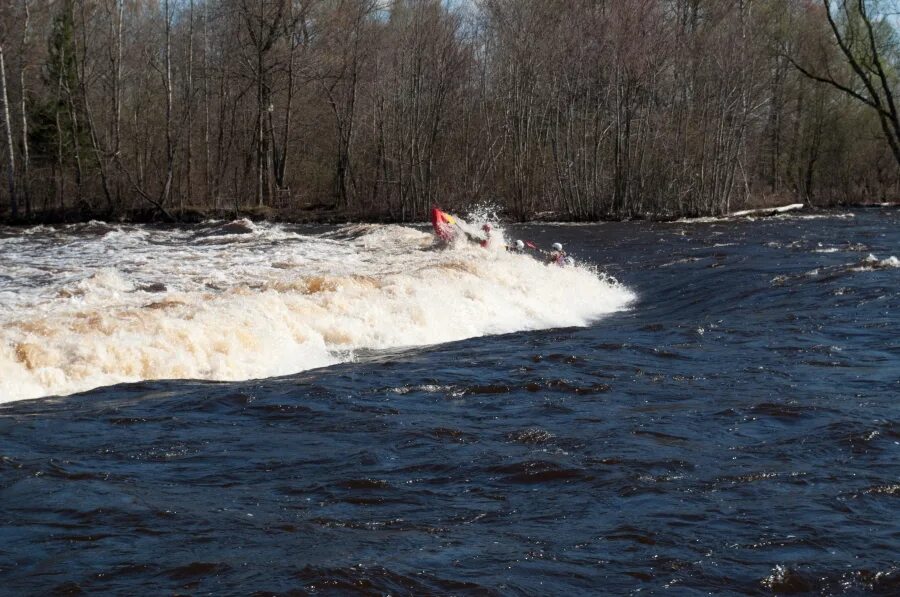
(264, 25)
(23, 110)
(167, 85)
(10, 153)
(189, 106)
(862, 47)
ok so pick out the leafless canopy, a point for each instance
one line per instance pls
(381, 108)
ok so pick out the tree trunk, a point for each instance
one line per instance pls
(170, 145)
(26, 191)
(117, 94)
(11, 156)
(190, 107)
(99, 154)
(206, 166)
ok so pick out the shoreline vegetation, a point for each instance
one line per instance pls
(318, 216)
(376, 110)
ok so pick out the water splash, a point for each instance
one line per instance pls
(241, 301)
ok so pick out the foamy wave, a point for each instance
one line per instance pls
(786, 212)
(871, 262)
(176, 308)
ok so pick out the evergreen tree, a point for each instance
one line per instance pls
(57, 120)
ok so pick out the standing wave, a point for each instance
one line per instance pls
(252, 301)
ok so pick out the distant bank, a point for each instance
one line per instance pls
(326, 215)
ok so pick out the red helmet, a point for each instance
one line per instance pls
(487, 227)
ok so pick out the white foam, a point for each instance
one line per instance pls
(768, 210)
(78, 311)
(871, 262)
(784, 212)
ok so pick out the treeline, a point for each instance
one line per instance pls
(381, 108)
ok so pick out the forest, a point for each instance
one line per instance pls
(378, 109)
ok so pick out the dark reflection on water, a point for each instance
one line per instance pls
(737, 430)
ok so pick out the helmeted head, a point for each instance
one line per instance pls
(556, 247)
(487, 227)
(520, 246)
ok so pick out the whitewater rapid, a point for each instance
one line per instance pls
(91, 305)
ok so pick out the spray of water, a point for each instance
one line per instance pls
(93, 305)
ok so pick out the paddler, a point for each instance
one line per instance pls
(557, 255)
(516, 247)
(487, 229)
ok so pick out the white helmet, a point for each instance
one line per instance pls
(556, 247)
(520, 245)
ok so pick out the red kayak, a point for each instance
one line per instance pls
(449, 227)
(444, 225)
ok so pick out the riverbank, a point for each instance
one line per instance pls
(326, 215)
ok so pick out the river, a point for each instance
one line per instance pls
(703, 406)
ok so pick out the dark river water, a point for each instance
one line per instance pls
(735, 430)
